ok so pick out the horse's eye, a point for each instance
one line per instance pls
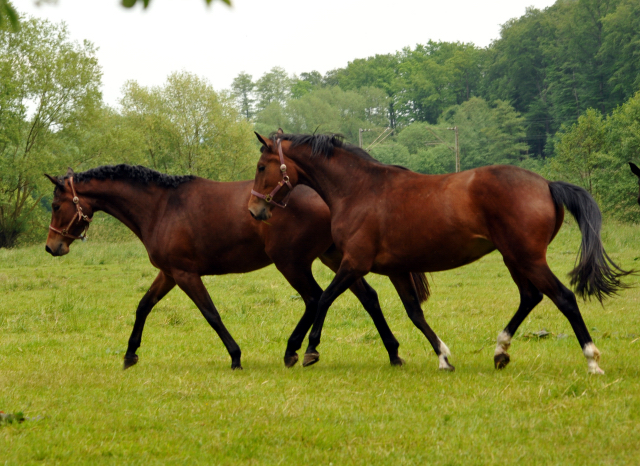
(55, 208)
(261, 168)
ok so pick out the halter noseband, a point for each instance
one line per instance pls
(285, 181)
(77, 217)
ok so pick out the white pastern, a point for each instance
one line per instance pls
(504, 342)
(444, 354)
(593, 356)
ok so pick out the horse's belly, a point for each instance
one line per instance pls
(434, 258)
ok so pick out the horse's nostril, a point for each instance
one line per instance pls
(48, 249)
(252, 214)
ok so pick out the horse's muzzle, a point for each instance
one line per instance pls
(260, 210)
(60, 250)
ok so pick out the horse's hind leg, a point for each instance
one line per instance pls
(158, 290)
(369, 299)
(543, 279)
(192, 285)
(411, 301)
(530, 296)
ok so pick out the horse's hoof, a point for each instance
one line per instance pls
(398, 361)
(501, 360)
(290, 361)
(129, 361)
(236, 365)
(310, 359)
(595, 369)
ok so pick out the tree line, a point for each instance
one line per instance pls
(549, 65)
(555, 93)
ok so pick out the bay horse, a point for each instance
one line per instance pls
(636, 171)
(392, 221)
(191, 227)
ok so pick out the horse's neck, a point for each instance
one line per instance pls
(342, 175)
(130, 203)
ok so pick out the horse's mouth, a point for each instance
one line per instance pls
(260, 213)
(59, 251)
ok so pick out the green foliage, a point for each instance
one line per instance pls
(436, 76)
(594, 153)
(186, 127)
(242, 88)
(326, 109)
(488, 134)
(621, 48)
(274, 86)
(9, 18)
(49, 89)
(581, 151)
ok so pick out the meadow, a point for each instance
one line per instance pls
(65, 322)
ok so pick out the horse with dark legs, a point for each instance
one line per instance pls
(636, 171)
(192, 227)
(391, 221)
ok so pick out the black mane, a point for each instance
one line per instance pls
(323, 144)
(134, 173)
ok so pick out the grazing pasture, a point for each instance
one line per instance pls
(65, 322)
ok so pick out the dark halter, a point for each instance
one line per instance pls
(285, 181)
(79, 216)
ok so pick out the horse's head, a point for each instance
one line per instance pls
(70, 216)
(274, 180)
(636, 171)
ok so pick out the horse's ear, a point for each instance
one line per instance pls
(634, 169)
(55, 181)
(69, 172)
(261, 139)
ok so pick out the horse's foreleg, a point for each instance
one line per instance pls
(345, 277)
(369, 299)
(411, 301)
(304, 283)
(192, 285)
(158, 290)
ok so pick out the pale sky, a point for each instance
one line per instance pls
(253, 36)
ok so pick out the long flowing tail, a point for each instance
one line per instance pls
(595, 274)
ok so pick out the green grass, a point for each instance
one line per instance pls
(65, 322)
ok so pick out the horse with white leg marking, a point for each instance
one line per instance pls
(392, 221)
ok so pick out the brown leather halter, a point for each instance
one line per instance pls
(285, 180)
(77, 217)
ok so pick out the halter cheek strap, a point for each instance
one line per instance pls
(285, 181)
(78, 216)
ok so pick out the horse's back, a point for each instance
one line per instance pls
(211, 224)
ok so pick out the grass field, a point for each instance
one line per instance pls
(65, 322)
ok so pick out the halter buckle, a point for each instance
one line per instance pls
(268, 198)
(283, 168)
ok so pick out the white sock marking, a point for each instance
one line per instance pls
(444, 354)
(504, 342)
(593, 356)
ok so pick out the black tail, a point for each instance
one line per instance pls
(595, 273)
(421, 285)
